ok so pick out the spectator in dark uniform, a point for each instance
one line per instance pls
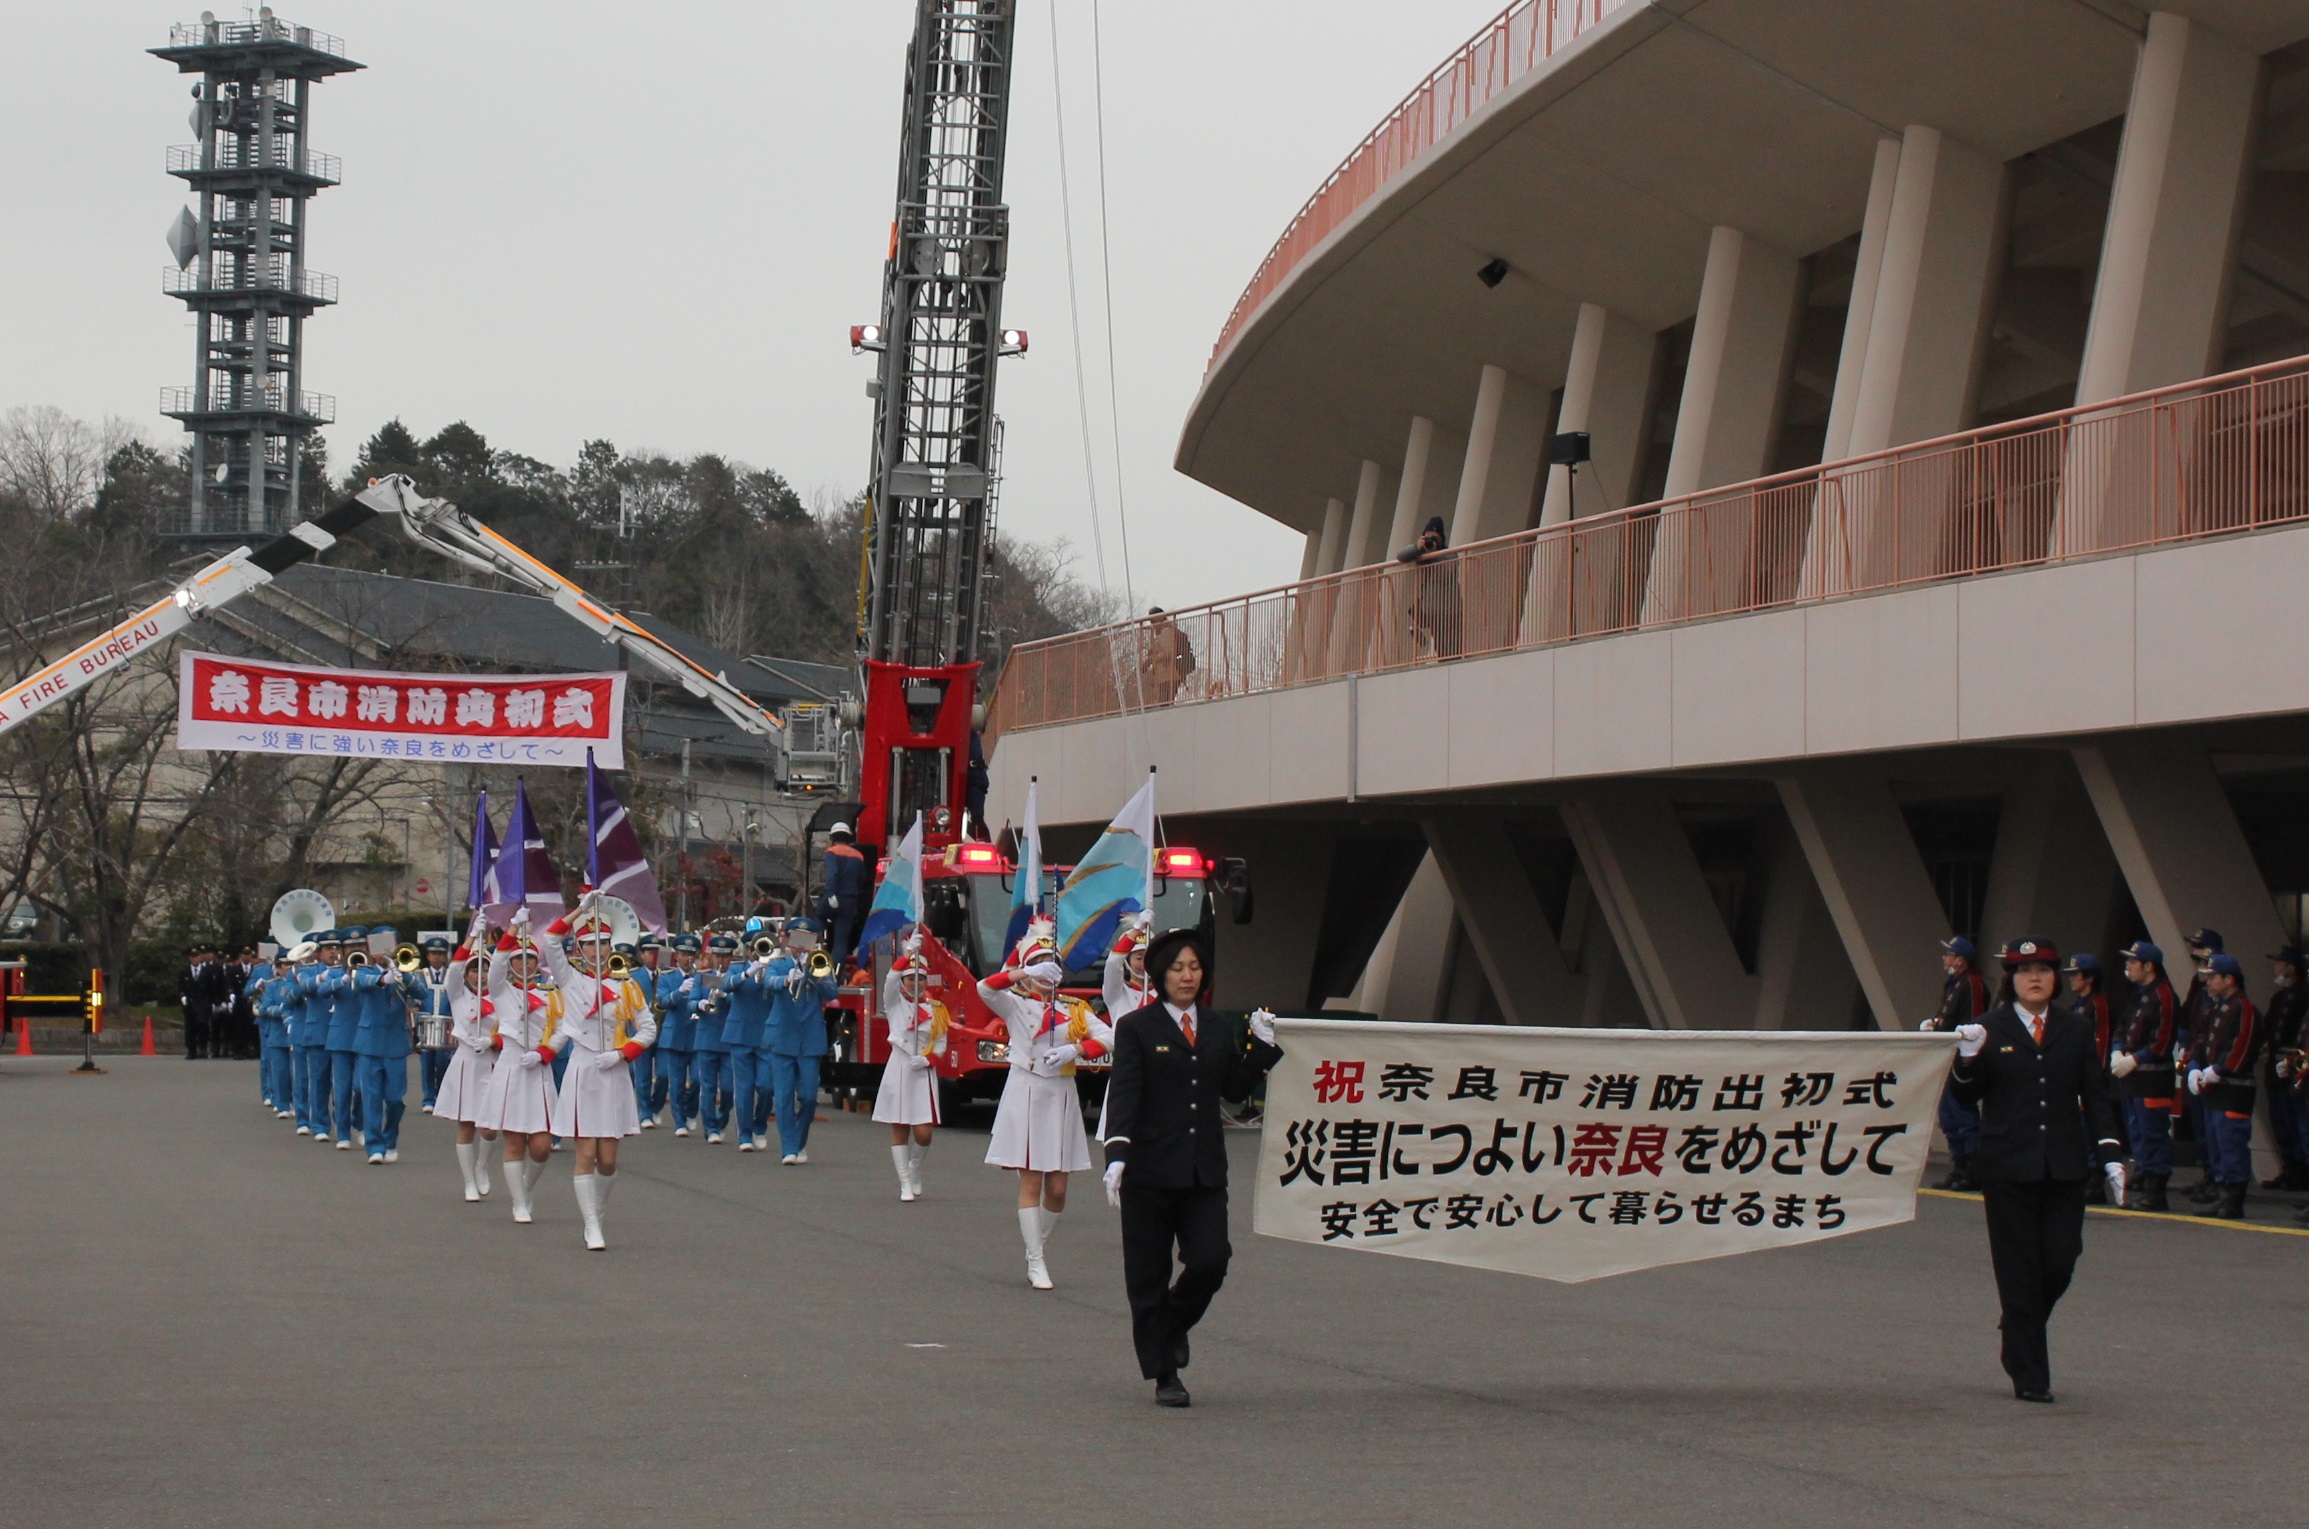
(198, 986)
(975, 781)
(2222, 1083)
(1963, 999)
(2083, 971)
(1166, 1151)
(2288, 1005)
(2141, 1061)
(1435, 591)
(2045, 1120)
(849, 883)
(2204, 944)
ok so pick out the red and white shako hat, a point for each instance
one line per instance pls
(1038, 944)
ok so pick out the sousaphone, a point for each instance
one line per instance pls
(299, 915)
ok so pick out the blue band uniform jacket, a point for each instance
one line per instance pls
(2034, 1100)
(1162, 1101)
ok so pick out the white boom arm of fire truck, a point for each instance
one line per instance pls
(431, 523)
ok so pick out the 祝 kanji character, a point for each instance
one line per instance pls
(1877, 1137)
(1584, 1203)
(1422, 1211)
(476, 708)
(1797, 1138)
(276, 697)
(377, 703)
(1466, 1145)
(1338, 1220)
(1337, 1082)
(1871, 1090)
(1615, 1090)
(1627, 1207)
(1829, 1212)
(1593, 1146)
(1645, 1145)
(1379, 1218)
(1801, 1088)
(1542, 1087)
(1744, 1091)
(1461, 1210)
(1401, 1082)
(1476, 1083)
(1708, 1210)
(1830, 1163)
(428, 706)
(1305, 1145)
(1494, 1158)
(1666, 1208)
(1744, 1150)
(573, 708)
(1750, 1210)
(1788, 1211)
(524, 708)
(1354, 1143)
(1537, 1201)
(228, 690)
(1696, 1147)
(1675, 1091)
(326, 698)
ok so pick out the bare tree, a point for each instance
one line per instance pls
(53, 462)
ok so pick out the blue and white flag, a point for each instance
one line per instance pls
(898, 900)
(1115, 878)
(1026, 889)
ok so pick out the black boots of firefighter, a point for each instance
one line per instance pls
(2149, 1193)
(2228, 1203)
(1959, 1174)
(2204, 1192)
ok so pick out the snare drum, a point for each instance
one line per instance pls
(432, 1032)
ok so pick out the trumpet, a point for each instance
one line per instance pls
(406, 960)
(356, 958)
(765, 947)
(619, 965)
(821, 964)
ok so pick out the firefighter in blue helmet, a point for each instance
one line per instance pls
(797, 1037)
(431, 988)
(1963, 999)
(2141, 1062)
(849, 887)
(678, 989)
(711, 1058)
(2222, 1083)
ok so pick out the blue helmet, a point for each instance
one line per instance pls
(1957, 945)
(2225, 965)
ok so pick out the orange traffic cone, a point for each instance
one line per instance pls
(24, 1035)
(148, 1049)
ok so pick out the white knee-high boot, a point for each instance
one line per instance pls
(517, 1185)
(589, 1209)
(902, 1159)
(921, 1151)
(1049, 1224)
(469, 1164)
(1030, 1232)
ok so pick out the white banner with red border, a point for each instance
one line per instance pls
(231, 705)
(1574, 1154)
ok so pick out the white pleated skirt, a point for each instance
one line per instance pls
(517, 1098)
(595, 1100)
(1038, 1125)
(909, 1094)
(465, 1086)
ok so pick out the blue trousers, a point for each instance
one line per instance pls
(1960, 1123)
(2150, 1129)
(674, 1087)
(313, 1087)
(384, 1088)
(432, 1068)
(2230, 1140)
(794, 1094)
(713, 1090)
(344, 1088)
(279, 1073)
(764, 1102)
(643, 1070)
(746, 1081)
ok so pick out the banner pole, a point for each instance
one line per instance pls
(91, 1022)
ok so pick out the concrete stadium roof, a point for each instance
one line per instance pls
(1598, 174)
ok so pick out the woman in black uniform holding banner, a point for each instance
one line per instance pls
(1166, 1151)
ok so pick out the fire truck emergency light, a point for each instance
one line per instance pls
(979, 854)
(865, 337)
(1014, 342)
(1182, 862)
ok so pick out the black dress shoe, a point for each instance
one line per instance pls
(1179, 1352)
(1169, 1393)
(2032, 1396)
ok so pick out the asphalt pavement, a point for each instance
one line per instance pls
(209, 1320)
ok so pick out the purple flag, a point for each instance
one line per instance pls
(481, 884)
(525, 873)
(614, 863)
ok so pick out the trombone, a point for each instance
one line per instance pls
(821, 964)
(406, 960)
(356, 958)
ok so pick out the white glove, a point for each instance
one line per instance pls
(1047, 971)
(913, 944)
(521, 915)
(918, 1063)
(2122, 1064)
(1263, 1026)
(794, 980)
(529, 1056)
(1052, 1062)
(608, 1059)
(1970, 1039)
(2198, 1078)
(2284, 1067)
(1114, 1184)
(2116, 1177)
(1931, 1024)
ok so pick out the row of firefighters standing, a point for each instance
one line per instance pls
(2200, 1058)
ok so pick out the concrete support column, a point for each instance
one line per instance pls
(1804, 980)
(1605, 388)
(1312, 558)
(1860, 313)
(1505, 926)
(1504, 445)
(1935, 291)
(1368, 520)
(2176, 212)
(1869, 872)
(1356, 623)
(1431, 461)
(1405, 976)
(1740, 339)
(1271, 960)
(1649, 885)
(2053, 875)
(1331, 541)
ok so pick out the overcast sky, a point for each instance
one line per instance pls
(656, 223)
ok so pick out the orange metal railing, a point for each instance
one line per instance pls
(1507, 48)
(2222, 455)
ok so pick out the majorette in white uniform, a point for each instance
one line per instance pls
(472, 1057)
(605, 1024)
(1127, 987)
(1038, 1125)
(908, 1097)
(517, 1099)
